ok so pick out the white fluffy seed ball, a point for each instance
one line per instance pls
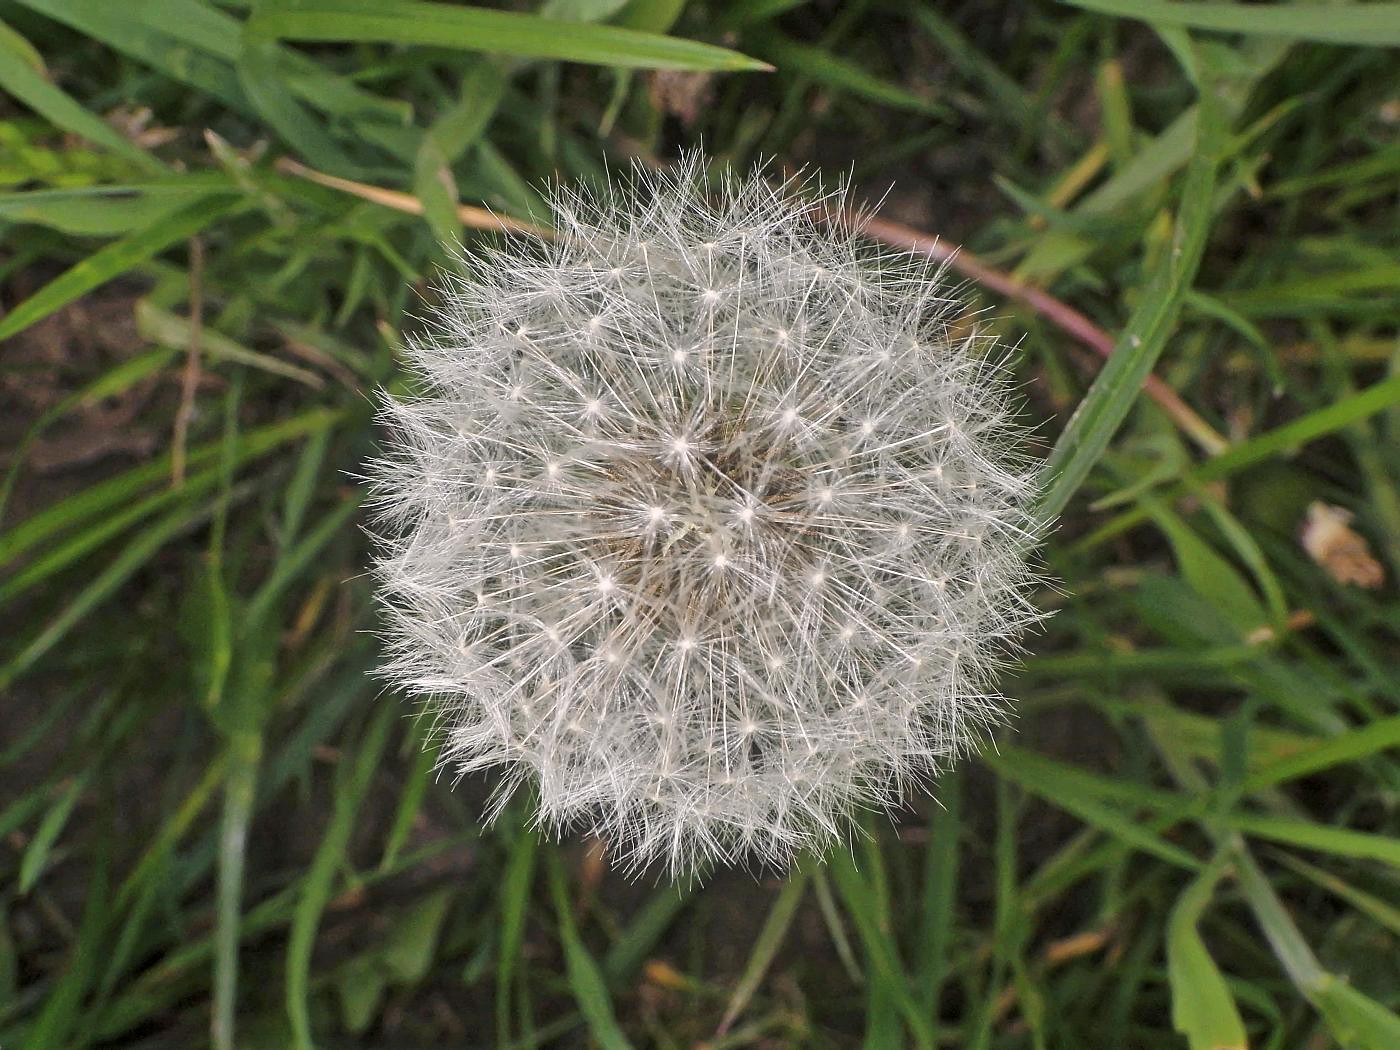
(703, 522)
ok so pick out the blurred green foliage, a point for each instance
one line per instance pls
(216, 827)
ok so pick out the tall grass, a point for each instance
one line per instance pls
(215, 829)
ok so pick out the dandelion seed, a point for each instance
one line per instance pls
(721, 571)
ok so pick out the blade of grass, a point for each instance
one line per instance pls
(122, 29)
(645, 929)
(216, 650)
(1115, 389)
(1370, 25)
(260, 76)
(62, 1013)
(22, 76)
(131, 558)
(173, 330)
(423, 764)
(516, 883)
(1283, 439)
(1057, 787)
(765, 949)
(240, 788)
(938, 902)
(452, 132)
(502, 32)
(1315, 424)
(18, 747)
(958, 49)
(1341, 842)
(302, 487)
(296, 559)
(1212, 576)
(113, 260)
(1355, 1019)
(1382, 912)
(1360, 743)
(585, 979)
(36, 854)
(172, 831)
(109, 210)
(467, 214)
(111, 383)
(1203, 1009)
(1047, 775)
(882, 956)
(103, 496)
(161, 987)
(840, 74)
(315, 888)
(835, 927)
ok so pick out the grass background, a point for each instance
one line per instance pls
(214, 828)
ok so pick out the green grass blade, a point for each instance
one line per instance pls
(240, 788)
(113, 260)
(765, 948)
(1203, 1009)
(839, 74)
(628, 952)
(302, 487)
(109, 210)
(422, 769)
(861, 899)
(1211, 575)
(501, 32)
(260, 75)
(1060, 786)
(83, 542)
(1280, 440)
(1283, 935)
(62, 1012)
(1341, 842)
(1350, 747)
(104, 496)
(955, 47)
(121, 28)
(1318, 423)
(131, 558)
(939, 892)
(27, 83)
(165, 327)
(110, 383)
(1115, 389)
(1383, 913)
(316, 886)
(516, 883)
(585, 978)
(172, 831)
(1355, 1018)
(1367, 24)
(460, 126)
(300, 557)
(36, 854)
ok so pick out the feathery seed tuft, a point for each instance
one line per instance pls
(703, 522)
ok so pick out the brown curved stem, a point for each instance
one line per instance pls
(887, 231)
(1063, 316)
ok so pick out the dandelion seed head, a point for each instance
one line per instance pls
(703, 521)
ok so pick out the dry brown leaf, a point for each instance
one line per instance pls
(1330, 541)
